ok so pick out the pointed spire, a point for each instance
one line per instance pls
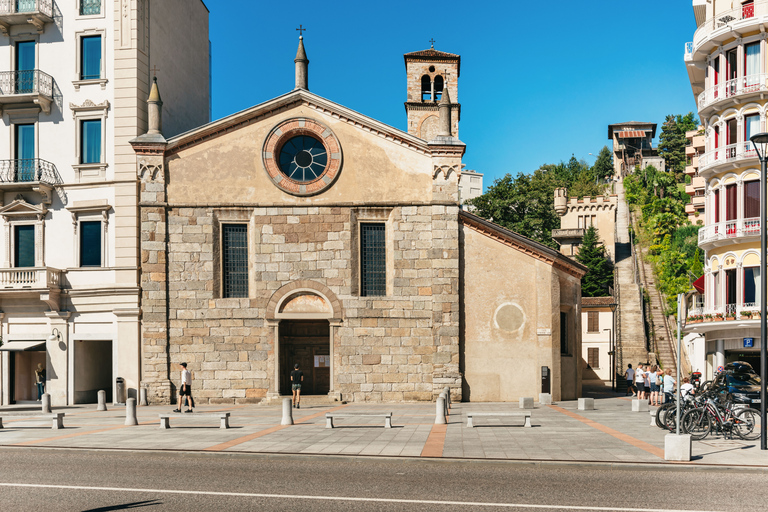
(154, 110)
(444, 124)
(302, 66)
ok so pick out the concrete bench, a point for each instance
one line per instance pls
(223, 416)
(525, 414)
(330, 415)
(57, 417)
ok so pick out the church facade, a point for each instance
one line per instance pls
(301, 231)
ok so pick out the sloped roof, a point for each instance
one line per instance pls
(597, 301)
(432, 54)
(523, 244)
(632, 124)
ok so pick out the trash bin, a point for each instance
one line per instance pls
(119, 390)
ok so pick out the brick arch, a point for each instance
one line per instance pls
(303, 285)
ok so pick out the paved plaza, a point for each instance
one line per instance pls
(611, 433)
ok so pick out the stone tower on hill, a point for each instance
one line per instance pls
(429, 72)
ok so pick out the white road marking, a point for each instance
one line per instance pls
(344, 498)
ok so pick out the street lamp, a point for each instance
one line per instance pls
(611, 353)
(760, 141)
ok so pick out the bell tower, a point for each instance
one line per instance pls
(430, 72)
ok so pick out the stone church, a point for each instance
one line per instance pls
(301, 231)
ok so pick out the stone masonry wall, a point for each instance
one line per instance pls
(403, 346)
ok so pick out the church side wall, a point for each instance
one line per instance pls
(399, 347)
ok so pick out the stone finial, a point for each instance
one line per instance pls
(302, 66)
(155, 110)
(444, 125)
(561, 198)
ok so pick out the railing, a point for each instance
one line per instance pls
(36, 277)
(729, 229)
(29, 170)
(729, 153)
(90, 7)
(723, 19)
(32, 81)
(734, 87)
(26, 6)
(726, 311)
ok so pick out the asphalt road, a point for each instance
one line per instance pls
(44, 479)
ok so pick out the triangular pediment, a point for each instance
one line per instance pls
(283, 103)
(21, 208)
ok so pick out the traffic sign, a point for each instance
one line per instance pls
(749, 342)
(720, 369)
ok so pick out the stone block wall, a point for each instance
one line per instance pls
(399, 347)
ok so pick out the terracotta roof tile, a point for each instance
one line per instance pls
(597, 301)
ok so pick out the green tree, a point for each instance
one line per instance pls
(603, 168)
(592, 255)
(672, 142)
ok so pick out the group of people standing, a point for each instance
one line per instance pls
(652, 384)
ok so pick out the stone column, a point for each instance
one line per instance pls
(332, 393)
(274, 386)
(57, 358)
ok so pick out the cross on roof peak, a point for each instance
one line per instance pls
(432, 42)
(155, 69)
(301, 30)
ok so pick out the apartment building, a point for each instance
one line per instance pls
(726, 63)
(697, 187)
(74, 80)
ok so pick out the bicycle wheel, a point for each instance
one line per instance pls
(697, 423)
(661, 413)
(746, 424)
(670, 420)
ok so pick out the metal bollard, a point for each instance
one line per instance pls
(447, 392)
(143, 395)
(102, 401)
(287, 412)
(130, 412)
(440, 411)
(46, 400)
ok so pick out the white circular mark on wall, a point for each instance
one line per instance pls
(509, 317)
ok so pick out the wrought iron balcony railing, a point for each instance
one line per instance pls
(32, 81)
(735, 87)
(26, 7)
(29, 170)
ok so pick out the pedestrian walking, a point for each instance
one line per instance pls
(629, 373)
(297, 377)
(669, 385)
(655, 378)
(40, 381)
(185, 389)
(640, 382)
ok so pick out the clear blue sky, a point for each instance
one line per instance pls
(539, 80)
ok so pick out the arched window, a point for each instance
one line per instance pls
(426, 88)
(438, 87)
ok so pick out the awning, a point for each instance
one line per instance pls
(16, 346)
(699, 284)
(630, 134)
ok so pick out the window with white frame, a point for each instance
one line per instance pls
(90, 7)
(25, 233)
(90, 144)
(90, 243)
(90, 141)
(90, 64)
(90, 222)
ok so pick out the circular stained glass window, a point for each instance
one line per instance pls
(303, 158)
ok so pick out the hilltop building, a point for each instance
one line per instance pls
(329, 239)
(726, 63)
(577, 215)
(75, 78)
(633, 146)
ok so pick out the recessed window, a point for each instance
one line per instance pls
(373, 259)
(24, 246)
(234, 246)
(90, 7)
(90, 141)
(593, 357)
(24, 152)
(593, 321)
(90, 244)
(90, 58)
(25, 67)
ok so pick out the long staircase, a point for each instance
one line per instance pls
(630, 336)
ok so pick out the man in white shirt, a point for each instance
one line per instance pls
(630, 373)
(185, 389)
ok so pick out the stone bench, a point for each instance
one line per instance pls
(525, 414)
(223, 416)
(57, 417)
(330, 415)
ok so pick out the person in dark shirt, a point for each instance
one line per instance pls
(297, 377)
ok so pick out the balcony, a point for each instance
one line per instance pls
(689, 209)
(29, 174)
(568, 234)
(732, 89)
(731, 154)
(698, 202)
(30, 87)
(732, 231)
(26, 12)
(730, 316)
(40, 282)
(725, 23)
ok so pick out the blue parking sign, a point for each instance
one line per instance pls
(749, 342)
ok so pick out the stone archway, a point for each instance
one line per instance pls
(304, 315)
